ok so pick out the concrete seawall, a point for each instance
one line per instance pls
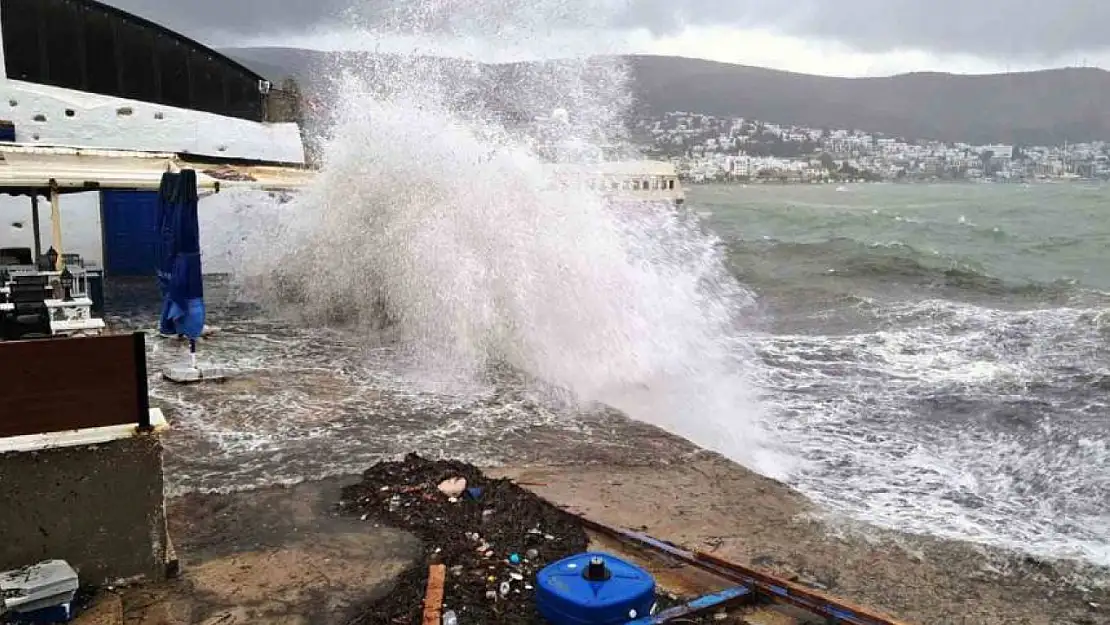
(101, 508)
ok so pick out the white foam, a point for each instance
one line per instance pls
(451, 223)
(859, 407)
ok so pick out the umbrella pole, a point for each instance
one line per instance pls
(36, 226)
(56, 223)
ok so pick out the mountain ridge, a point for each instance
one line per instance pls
(1041, 107)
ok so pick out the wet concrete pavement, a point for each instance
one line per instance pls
(308, 403)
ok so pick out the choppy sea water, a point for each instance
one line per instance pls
(938, 355)
(936, 359)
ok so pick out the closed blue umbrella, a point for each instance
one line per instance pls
(167, 250)
(183, 312)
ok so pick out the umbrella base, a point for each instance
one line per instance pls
(208, 331)
(186, 374)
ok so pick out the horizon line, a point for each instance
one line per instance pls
(685, 58)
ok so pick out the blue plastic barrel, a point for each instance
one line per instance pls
(594, 589)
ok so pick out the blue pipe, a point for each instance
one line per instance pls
(701, 604)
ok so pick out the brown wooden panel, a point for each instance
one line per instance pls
(71, 383)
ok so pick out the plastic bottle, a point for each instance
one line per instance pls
(449, 618)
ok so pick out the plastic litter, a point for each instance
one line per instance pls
(453, 487)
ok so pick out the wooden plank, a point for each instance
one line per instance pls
(833, 607)
(433, 598)
(65, 384)
(770, 586)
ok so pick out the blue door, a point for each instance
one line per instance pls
(130, 225)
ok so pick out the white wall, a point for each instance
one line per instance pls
(99, 121)
(80, 224)
(218, 235)
(225, 219)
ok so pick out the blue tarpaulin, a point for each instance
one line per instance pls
(179, 271)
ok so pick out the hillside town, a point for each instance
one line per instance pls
(705, 148)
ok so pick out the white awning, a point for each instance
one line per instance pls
(33, 167)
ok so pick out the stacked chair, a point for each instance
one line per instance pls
(30, 319)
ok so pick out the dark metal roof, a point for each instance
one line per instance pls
(145, 23)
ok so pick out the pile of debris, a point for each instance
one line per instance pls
(491, 535)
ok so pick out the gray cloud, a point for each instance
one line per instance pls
(220, 20)
(1000, 29)
(992, 28)
(208, 20)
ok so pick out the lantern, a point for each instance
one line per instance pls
(67, 284)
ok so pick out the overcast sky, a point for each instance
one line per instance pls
(840, 37)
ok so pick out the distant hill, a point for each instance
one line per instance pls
(1044, 107)
(1029, 108)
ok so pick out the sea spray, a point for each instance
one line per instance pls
(435, 222)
